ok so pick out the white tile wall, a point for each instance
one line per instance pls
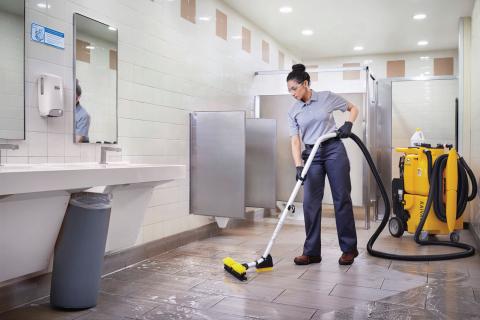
(416, 63)
(475, 109)
(167, 68)
(428, 105)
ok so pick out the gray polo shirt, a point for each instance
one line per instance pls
(82, 121)
(314, 118)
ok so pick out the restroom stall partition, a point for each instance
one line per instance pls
(404, 104)
(273, 102)
(232, 163)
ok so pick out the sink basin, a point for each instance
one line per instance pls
(34, 197)
(29, 178)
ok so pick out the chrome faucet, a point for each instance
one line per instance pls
(7, 146)
(103, 153)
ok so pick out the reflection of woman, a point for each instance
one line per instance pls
(311, 117)
(82, 118)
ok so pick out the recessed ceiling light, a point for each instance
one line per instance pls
(90, 47)
(285, 9)
(43, 5)
(425, 58)
(358, 48)
(422, 42)
(112, 28)
(419, 16)
(204, 18)
(307, 32)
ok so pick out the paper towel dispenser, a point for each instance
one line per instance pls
(50, 95)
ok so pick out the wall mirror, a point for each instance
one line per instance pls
(12, 72)
(95, 79)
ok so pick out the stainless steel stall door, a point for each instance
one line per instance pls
(260, 188)
(217, 164)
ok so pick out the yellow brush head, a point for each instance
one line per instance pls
(235, 268)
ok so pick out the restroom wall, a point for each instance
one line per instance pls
(168, 66)
(416, 63)
(475, 112)
(11, 75)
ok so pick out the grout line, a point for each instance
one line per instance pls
(273, 300)
(330, 293)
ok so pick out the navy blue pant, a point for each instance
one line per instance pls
(331, 160)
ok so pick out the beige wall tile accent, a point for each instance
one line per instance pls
(395, 68)
(82, 53)
(113, 59)
(246, 40)
(221, 25)
(351, 75)
(265, 51)
(443, 66)
(313, 75)
(281, 60)
(188, 10)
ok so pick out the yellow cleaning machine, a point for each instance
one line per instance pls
(449, 191)
(437, 176)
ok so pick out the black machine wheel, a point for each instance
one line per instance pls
(454, 237)
(395, 226)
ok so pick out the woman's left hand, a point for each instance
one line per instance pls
(345, 130)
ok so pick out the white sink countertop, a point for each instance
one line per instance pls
(25, 178)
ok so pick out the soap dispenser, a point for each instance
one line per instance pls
(50, 95)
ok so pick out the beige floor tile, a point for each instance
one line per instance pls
(415, 297)
(190, 298)
(190, 283)
(401, 285)
(263, 310)
(371, 281)
(315, 300)
(239, 290)
(376, 310)
(360, 293)
(122, 306)
(174, 312)
(292, 283)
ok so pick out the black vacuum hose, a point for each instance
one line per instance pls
(468, 250)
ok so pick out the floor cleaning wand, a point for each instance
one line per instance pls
(265, 263)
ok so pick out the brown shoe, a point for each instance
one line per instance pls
(348, 257)
(304, 260)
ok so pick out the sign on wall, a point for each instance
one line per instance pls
(48, 36)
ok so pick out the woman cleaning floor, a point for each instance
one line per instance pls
(309, 118)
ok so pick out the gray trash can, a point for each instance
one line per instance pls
(79, 252)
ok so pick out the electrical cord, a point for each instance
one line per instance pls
(436, 175)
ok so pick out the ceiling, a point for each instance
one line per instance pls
(379, 26)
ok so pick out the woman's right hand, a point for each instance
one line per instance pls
(298, 175)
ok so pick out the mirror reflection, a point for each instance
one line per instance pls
(12, 31)
(95, 116)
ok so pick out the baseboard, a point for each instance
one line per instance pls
(26, 290)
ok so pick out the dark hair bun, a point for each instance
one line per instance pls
(298, 67)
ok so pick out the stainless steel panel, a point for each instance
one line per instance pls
(217, 164)
(383, 140)
(276, 107)
(261, 139)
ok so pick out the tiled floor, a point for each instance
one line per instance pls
(190, 283)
